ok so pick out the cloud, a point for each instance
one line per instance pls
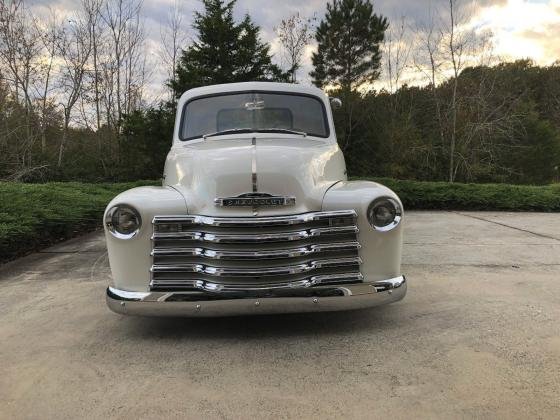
(524, 29)
(520, 28)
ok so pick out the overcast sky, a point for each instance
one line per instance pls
(520, 28)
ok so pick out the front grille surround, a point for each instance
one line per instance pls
(204, 253)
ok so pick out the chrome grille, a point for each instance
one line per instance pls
(203, 253)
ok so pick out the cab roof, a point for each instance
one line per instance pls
(251, 86)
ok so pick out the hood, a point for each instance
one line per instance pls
(219, 168)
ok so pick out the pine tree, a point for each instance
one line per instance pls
(348, 39)
(224, 52)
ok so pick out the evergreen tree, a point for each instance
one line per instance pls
(224, 52)
(348, 39)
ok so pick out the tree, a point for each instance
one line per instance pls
(294, 34)
(447, 45)
(172, 38)
(537, 156)
(396, 50)
(147, 136)
(20, 47)
(224, 51)
(427, 62)
(74, 48)
(124, 67)
(456, 51)
(348, 54)
(49, 35)
(92, 10)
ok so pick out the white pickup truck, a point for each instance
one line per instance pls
(255, 215)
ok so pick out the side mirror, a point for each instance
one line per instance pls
(335, 103)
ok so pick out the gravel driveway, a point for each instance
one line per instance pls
(477, 336)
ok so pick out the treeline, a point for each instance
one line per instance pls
(73, 92)
(67, 84)
(507, 128)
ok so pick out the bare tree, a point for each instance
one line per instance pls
(428, 63)
(396, 50)
(124, 67)
(49, 35)
(396, 53)
(92, 11)
(74, 48)
(456, 49)
(460, 45)
(136, 71)
(469, 121)
(446, 47)
(294, 34)
(173, 38)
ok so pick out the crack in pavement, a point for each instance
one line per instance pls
(70, 252)
(475, 244)
(516, 266)
(542, 235)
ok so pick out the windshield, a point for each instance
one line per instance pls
(254, 111)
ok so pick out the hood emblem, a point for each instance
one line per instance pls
(255, 200)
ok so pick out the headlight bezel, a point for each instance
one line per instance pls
(112, 227)
(397, 213)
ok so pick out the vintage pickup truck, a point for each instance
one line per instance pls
(255, 215)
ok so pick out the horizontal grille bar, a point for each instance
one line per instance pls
(257, 237)
(290, 220)
(255, 272)
(206, 286)
(258, 254)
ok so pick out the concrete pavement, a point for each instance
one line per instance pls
(477, 336)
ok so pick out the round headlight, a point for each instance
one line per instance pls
(123, 221)
(384, 214)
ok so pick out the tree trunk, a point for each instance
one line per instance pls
(454, 95)
(43, 141)
(64, 138)
(61, 147)
(453, 139)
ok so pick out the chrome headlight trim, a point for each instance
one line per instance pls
(109, 221)
(397, 211)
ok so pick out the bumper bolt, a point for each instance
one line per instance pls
(257, 303)
(198, 307)
(315, 300)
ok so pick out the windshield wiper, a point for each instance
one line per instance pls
(281, 130)
(251, 130)
(230, 131)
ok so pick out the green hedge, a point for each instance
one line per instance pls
(417, 195)
(35, 215)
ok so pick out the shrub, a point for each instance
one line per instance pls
(35, 215)
(417, 195)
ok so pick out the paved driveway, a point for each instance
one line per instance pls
(477, 336)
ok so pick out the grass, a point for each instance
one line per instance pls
(33, 216)
(417, 195)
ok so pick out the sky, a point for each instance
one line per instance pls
(515, 28)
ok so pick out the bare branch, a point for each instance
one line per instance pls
(294, 34)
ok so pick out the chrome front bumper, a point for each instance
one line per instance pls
(255, 302)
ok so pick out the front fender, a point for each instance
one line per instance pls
(130, 259)
(381, 251)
